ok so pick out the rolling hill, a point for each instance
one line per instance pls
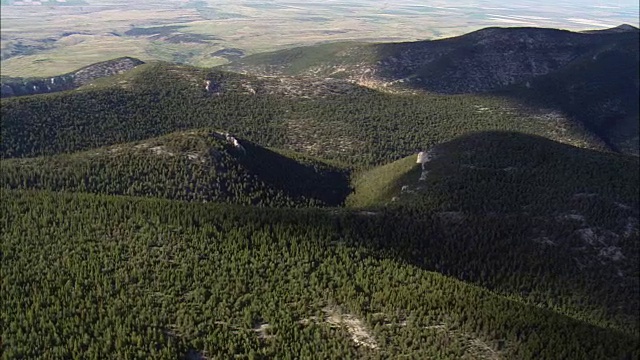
(10, 86)
(329, 119)
(530, 172)
(529, 194)
(198, 165)
(592, 78)
(176, 279)
(174, 212)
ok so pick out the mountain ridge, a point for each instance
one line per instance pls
(407, 60)
(590, 77)
(213, 214)
(10, 87)
(197, 165)
(333, 121)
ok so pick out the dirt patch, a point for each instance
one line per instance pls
(475, 349)
(572, 217)
(196, 158)
(544, 241)
(262, 331)
(359, 333)
(367, 213)
(612, 253)
(161, 151)
(584, 195)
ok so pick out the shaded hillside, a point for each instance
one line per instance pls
(618, 29)
(133, 228)
(30, 86)
(600, 89)
(497, 195)
(198, 165)
(501, 172)
(476, 62)
(195, 280)
(590, 77)
(352, 124)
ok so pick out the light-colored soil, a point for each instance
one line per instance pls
(359, 333)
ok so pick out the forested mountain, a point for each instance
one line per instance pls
(531, 173)
(177, 212)
(591, 77)
(20, 86)
(601, 91)
(579, 203)
(483, 60)
(199, 165)
(174, 279)
(355, 125)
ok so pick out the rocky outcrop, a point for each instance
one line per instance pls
(30, 86)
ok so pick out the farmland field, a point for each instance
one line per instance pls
(66, 35)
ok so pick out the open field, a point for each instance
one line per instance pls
(207, 33)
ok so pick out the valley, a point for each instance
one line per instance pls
(51, 37)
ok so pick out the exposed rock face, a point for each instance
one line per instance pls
(22, 86)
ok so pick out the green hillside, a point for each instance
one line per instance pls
(592, 78)
(357, 126)
(528, 194)
(500, 172)
(136, 278)
(599, 89)
(198, 165)
(174, 212)
(378, 186)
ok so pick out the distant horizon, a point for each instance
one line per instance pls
(66, 35)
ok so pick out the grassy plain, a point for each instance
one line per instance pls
(187, 31)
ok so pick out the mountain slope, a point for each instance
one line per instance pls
(529, 171)
(486, 59)
(330, 120)
(590, 77)
(30, 86)
(188, 280)
(507, 194)
(600, 89)
(198, 165)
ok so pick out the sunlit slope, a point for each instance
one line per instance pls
(379, 186)
(592, 78)
(327, 119)
(197, 165)
(503, 172)
(173, 279)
